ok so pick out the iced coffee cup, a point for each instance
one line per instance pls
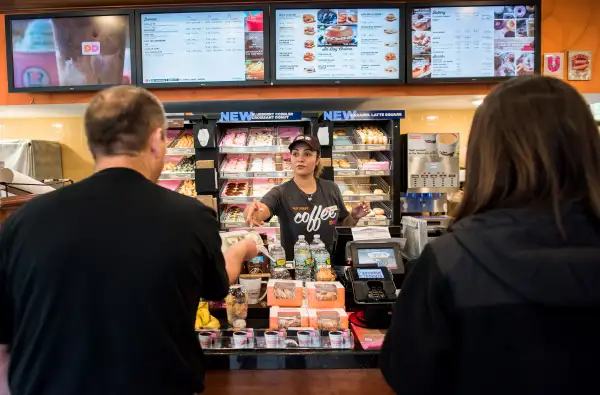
(431, 144)
(34, 57)
(447, 143)
(90, 50)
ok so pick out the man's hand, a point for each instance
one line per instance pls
(252, 209)
(251, 249)
(361, 210)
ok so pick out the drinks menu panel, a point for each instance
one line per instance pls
(202, 47)
(322, 44)
(473, 42)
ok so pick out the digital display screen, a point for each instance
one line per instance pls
(203, 47)
(71, 51)
(369, 273)
(325, 44)
(473, 42)
(383, 257)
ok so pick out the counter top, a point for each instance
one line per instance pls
(290, 359)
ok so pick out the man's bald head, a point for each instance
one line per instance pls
(120, 121)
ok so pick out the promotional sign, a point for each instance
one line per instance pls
(580, 65)
(245, 116)
(363, 115)
(433, 162)
(554, 65)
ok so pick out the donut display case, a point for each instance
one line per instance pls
(178, 172)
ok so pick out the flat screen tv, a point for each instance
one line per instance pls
(472, 41)
(338, 43)
(69, 51)
(203, 46)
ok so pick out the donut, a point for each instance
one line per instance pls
(378, 211)
(379, 192)
(344, 164)
(347, 193)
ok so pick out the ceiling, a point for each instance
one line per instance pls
(408, 103)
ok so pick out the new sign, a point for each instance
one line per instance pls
(245, 116)
(362, 115)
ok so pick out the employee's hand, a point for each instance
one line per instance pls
(250, 213)
(361, 210)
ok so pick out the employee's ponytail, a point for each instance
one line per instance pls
(318, 170)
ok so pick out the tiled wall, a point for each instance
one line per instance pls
(77, 161)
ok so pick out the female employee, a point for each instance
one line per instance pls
(306, 205)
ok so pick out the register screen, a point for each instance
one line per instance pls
(383, 257)
(369, 273)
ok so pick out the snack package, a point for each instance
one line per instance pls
(284, 318)
(285, 293)
(328, 319)
(326, 295)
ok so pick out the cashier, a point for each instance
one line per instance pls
(305, 205)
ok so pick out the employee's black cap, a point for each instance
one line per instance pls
(311, 141)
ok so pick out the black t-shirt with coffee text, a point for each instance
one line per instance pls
(300, 216)
(99, 287)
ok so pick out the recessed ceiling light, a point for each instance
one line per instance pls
(477, 102)
(431, 117)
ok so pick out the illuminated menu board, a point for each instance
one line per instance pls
(338, 44)
(202, 47)
(472, 42)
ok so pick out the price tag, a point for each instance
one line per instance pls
(376, 198)
(375, 172)
(346, 172)
(344, 147)
(266, 175)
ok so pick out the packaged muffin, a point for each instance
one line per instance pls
(285, 293)
(326, 295)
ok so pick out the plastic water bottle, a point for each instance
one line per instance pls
(316, 244)
(278, 269)
(302, 259)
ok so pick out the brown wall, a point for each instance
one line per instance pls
(566, 24)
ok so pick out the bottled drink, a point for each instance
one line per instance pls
(316, 244)
(278, 269)
(322, 263)
(302, 259)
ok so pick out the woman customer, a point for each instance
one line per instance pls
(305, 205)
(509, 301)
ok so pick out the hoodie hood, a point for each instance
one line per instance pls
(524, 250)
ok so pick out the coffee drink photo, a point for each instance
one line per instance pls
(447, 143)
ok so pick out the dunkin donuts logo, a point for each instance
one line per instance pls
(90, 48)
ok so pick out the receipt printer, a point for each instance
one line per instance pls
(371, 271)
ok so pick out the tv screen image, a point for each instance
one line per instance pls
(202, 47)
(78, 51)
(338, 44)
(454, 42)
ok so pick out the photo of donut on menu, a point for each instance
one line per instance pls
(421, 42)
(421, 19)
(421, 66)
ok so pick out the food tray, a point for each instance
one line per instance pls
(184, 140)
(350, 161)
(378, 161)
(371, 135)
(355, 191)
(261, 137)
(235, 222)
(255, 189)
(223, 340)
(376, 221)
(178, 168)
(187, 188)
(235, 164)
(234, 138)
(286, 135)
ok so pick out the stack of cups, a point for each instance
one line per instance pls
(304, 339)
(272, 339)
(240, 340)
(205, 339)
(335, 338)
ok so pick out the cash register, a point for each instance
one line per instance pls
(373, 264)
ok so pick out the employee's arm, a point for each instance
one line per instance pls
(256, 213)
(417, 356)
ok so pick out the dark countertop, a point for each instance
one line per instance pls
(290, 359)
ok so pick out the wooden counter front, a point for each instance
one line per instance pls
(9, 205)
(300, 382)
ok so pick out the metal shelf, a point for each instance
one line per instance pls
(181, 151)
(362, 147)
(273, 149)
(177, 176)
(352, 173)
(224, 175)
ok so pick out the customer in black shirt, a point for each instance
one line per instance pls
(100, 281)
(509, 301)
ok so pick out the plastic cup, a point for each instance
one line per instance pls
(240, 340)
(272, 339)
(205, 339)
(335, 338)
(447, 143)
(304, 338)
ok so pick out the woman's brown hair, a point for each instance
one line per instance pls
(533, 143)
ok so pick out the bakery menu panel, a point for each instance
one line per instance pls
(473, 42)
(315, 44)
(202, 47)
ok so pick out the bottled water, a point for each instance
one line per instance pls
(278, 269)
(322, 263)
(302, 259)
(316, 244)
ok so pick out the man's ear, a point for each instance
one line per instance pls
(157, 141)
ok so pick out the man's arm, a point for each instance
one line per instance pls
(4, 361)
(237, 255)
(5, 313)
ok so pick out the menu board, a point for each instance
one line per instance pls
(473, 42)
(338, 44)
(202, 47)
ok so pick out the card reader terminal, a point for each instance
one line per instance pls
(372, 284)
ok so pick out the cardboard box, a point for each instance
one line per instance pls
(326, 295)
(285, 317)
(285, 293)
(329, 319)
